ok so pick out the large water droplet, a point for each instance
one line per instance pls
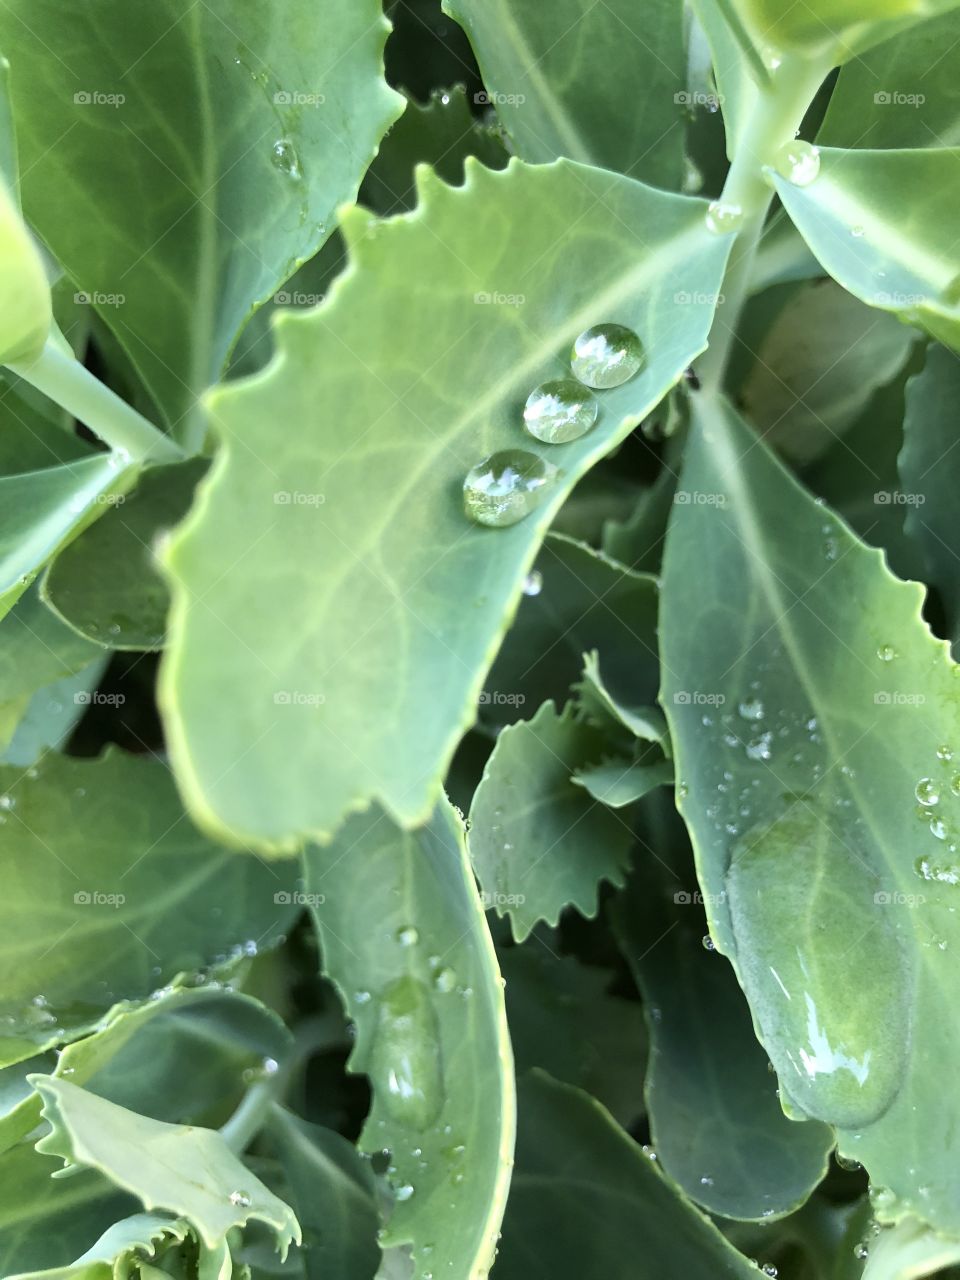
(606, 356)
(506, 487)
(798, 162)
(405, 1060)
(286, 158)
(927, 792)
(533, 583)
(815, 993)
(751, 709)
(560, 411)
(724, 219)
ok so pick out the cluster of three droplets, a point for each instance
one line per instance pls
(508, 485)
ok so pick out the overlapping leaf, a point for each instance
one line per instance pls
(353, 541)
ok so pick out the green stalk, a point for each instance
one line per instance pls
(778, 111)
(73, 387)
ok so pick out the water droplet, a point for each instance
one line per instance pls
(7, 801)
(506, 487)
(724, 219)
(769, 1269)
(404, 1192)
(751, 709)
(286, 158)
(606, 356)
(798, 162)
(955, 784)
(445, 980)
(811, 996)
(938, 827)
(760, 748)
(240, 1199)
(533, 583)
(857, 231)
(405, 1060)
(560, 411)
(708, 943)
(886, 653)
(927, 792)
(932, 871)
(706, 1181)
(408, 936)
(649, 1152)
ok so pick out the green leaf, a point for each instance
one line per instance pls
(440, 133)
(36, 648)
(715, 1117)
(902, 93)
(538, 842)
(576, 600)
(119, 1249)
(334, 1195)
(185, 1171)
(617, 783)
(563, 1018)
(816, 792)
(587, 1201)
(106, 584)
(42, 511)
(879, 221)
(361, 506)
(839, 28)
(599, 706)
(929, 466)
(254, 125)
(46, 1221)
(110, 891)
(817, 366)
(45, 720)
(558, 75)
(403, 937)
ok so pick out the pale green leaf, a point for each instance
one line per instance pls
(586, 1201)
(106, 584)
(179, 1169)
(558, 76)
(835, 28)
(353, 540)
(43, 721)
(109, 891)
(929, 471)
(880, 223)
(241, 127)
(538, 842)
(617, 783)
(817, 786)
(36, 648)
(403, 936)
(121, 1248)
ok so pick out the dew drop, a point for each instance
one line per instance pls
(955, 784)
(405, 1060)
(240, 1199)
(408, 936)
(760, 748)
(938, 827)
(560, 411)
(798, 162)
(751, 709)
(504, 488)
(445, 980)
(927, 792)
(886, 653)
(606, 356)
(708, 943)
(286, 158)
(404, 1192)
(533, 583)
(724, 219)
(857, 232)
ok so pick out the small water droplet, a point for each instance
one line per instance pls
(886, 653)
(504, 488)
(240, 1199)
(760, 748)
(798, 162)
(724, 219)
(286, 158)
(408, 936)
(404, 1192)
(706, 1181)
(560, 411)
(857, 231)
(445, 980)
(927, 792)
(533, 583)
(751, 709)
(708, 943)
(938, 827)
(607, 355)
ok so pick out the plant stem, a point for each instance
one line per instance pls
(778, 111)
(74, 388)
